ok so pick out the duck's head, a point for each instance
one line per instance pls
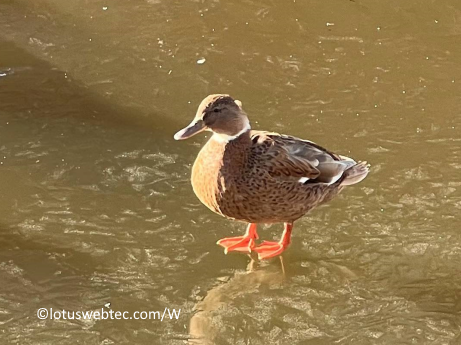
(220, 114)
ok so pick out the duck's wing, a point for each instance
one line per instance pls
(283, 155)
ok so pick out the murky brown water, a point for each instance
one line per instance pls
(95, 200)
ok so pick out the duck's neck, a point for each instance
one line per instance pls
(235, 153)
(226, 138)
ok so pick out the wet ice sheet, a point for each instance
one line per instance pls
(95, 197)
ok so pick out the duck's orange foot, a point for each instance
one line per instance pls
(238, 244)
(269, 249)
(243, 244)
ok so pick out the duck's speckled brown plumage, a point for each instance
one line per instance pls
(255, 178)
(261, 177)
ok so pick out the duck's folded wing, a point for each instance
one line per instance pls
(289, 156)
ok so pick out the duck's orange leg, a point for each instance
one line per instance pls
(269, 249)
(243, 243)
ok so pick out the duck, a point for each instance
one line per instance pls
(261, 177)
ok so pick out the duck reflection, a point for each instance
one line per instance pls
(206, 324)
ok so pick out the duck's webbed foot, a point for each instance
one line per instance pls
(269, 249)
(244, 243)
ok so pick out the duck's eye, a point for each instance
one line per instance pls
(216, 110)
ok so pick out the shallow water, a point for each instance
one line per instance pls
(96, 204)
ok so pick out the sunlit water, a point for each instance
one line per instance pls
(96, 204)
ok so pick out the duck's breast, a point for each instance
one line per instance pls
(206, 174)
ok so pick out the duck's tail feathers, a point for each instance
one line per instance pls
(355, 174)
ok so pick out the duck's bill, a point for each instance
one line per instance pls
(194, 128)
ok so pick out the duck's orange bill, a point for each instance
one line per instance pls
(195, 127)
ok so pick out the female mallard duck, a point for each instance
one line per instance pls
(261, 177)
